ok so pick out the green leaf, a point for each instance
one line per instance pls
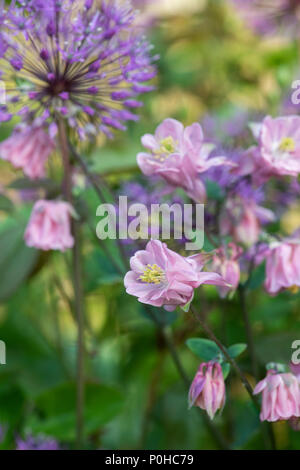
(257, 277)
(57, 406)
(225, 369)
(236, 349)
(16, 259)
(113, 160)
(6, 204)
(203, 348)
(28, 184)
(213, 190)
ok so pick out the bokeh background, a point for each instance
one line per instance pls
(213, 69)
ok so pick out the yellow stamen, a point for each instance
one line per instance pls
(153, 274)
(287, 144)
(167, 147)
(294, 289)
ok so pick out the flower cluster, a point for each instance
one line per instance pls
(182, 158)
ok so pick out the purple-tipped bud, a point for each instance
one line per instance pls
(44, 54)
(208, 388)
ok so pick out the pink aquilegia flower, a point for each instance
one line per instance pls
(208, 388)
(179, 156)
(49, 227)
(278, 151)
(29, 150)
(280, 396)
(225, 262)
(161, 277)
(283, 266)
(241, 218)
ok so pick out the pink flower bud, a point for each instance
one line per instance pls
(208, 388)
(49, 227)
(225, 262)
(280, 396)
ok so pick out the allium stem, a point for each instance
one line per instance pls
(78, 291)
(98, 184)
(63, 140)
(236, 368)
(78, 288)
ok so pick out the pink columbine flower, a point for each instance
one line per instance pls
(208, 388)
(280, 396)
(241, 218)
(283, 266)
(49, 227)
(29, 150)
(179, 156)
(225, 262)
(278, 151)
(161, 277)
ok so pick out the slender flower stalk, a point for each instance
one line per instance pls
(99, 185)
(77, 285)
(248, 329)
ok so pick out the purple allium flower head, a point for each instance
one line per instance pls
(37, 443)
(83, 61)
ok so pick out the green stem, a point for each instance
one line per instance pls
(78, 291)
(249, 332)
(98, 183)
(77, 286)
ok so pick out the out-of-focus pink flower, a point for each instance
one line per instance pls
(295, 424)
(179, 156)
(49, 227)
(225, 262)
(270, 16)
(278, 151)
(29, 150)
(280, 396)
(37, 443)
(208, 388)
(241, 218)
(161, 277)
(283, 266)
